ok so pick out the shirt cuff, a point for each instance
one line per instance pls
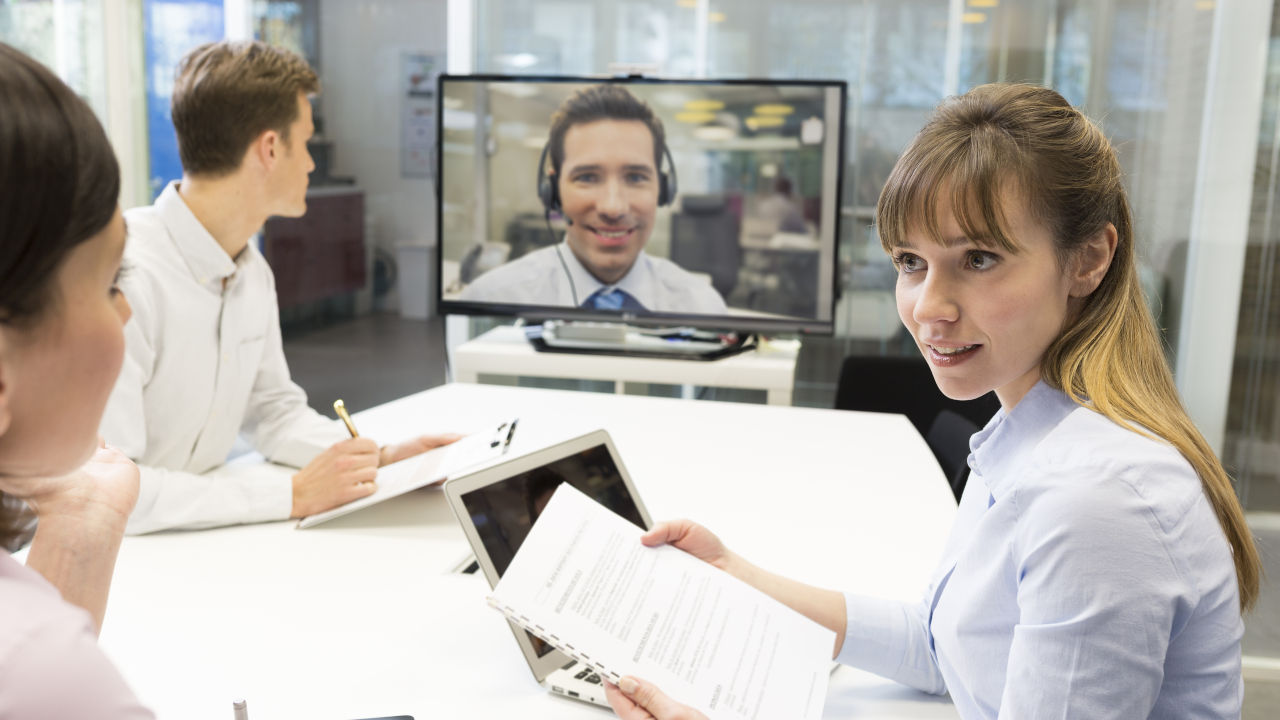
(891, 639)
(268, 492)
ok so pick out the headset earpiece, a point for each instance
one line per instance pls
(548, 188)
(667, 180)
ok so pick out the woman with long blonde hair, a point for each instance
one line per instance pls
(1100, 562)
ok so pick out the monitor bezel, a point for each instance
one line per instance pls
(724, 323)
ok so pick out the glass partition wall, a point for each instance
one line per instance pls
(1141, 68)
(1138, 66)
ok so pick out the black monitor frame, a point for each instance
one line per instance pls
(725, 323)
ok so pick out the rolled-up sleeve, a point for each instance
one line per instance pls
(891, 639)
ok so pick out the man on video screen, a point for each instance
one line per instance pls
(605, 150)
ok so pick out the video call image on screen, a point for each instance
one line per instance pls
(659, 199)
(504, 512)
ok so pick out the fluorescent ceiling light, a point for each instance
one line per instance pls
(714, 133)
(704, 105)
(774, 109)
(757, 122)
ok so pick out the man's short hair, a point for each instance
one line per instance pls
(602, 102)
(228, 93)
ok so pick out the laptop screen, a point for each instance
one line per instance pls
(503, 512)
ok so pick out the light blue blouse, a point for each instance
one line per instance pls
(1086, 576)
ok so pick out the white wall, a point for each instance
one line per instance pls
(361, 44)
(1220, 214)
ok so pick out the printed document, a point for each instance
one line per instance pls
(583, 582)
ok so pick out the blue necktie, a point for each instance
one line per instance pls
(614, 300)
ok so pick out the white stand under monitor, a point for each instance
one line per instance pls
(607, 338)
(505, 351)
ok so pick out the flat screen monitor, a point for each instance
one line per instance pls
(704, 203)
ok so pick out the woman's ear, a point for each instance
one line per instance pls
(1092, 261)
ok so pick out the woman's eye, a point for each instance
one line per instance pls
(637, 178)
(908, 262)
(980, 260)
(585, 178)
(119, 276)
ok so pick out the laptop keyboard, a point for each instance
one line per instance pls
(586, 675)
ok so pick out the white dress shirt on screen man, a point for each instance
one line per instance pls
(543, 278)
(204, 360)
(606, 148)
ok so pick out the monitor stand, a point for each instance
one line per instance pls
(602, 338)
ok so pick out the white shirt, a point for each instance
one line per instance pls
(539, 278)
(1086, 576)
(203, 363)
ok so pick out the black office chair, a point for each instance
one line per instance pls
(704, 239)
(905, 385)
(948, 438)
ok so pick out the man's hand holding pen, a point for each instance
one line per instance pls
(388, 454)
(348, 470)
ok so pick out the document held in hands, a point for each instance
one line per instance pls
(583, 582)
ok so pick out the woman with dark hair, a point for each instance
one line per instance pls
(61, 346)
(1100, 563)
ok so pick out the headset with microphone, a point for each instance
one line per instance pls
(549, 194)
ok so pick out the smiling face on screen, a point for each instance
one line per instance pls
(608, 187)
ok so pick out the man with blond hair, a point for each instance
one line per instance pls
(204, 361)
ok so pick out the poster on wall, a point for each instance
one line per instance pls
(418, 117)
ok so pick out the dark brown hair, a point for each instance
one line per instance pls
(999, 138)
(226, 94)
(602, 102)
(61, 186)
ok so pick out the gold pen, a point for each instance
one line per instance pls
(341, 409)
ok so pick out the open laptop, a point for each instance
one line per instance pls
(497, 507)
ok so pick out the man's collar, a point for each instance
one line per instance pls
(585, 283)
(204, 257)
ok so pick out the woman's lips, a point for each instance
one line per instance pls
(950, 355)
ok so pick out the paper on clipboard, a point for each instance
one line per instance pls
(428, 468)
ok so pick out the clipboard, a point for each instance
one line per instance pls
(429, 468)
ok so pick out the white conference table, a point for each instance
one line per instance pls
(366, 616)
